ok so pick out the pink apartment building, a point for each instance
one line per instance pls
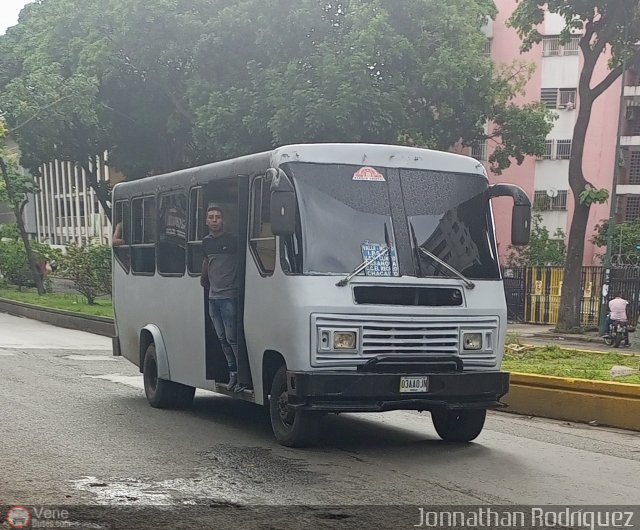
(555, 83)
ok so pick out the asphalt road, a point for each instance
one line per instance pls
(76, 430)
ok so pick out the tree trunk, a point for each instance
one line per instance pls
(570, 301)
(33, 266)
(101, 193)
(569, 311)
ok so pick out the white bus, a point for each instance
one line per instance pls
(368, 275)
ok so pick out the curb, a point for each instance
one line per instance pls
(579, 400)
(65, 319)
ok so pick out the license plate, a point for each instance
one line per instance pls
(414, 384)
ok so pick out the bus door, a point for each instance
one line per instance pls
(230, 196)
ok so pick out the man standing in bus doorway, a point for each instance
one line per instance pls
(220, 266)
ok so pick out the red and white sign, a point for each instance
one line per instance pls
(368, 173)
(18, 517)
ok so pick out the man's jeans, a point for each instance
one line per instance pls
(223, 315)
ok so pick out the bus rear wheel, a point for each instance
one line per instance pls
(291, 427)
(163, 394)
(458, 425)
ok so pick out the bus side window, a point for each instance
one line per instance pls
(172, 235)
(197, 230)
(261, 239)
(121, 238)
(143, 244)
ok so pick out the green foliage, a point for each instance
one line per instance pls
(89, 268)
(14, 265)
(542, 250)
(65, 301)
(590, 195)
(625, 240)
(551, 360)
(167, 84)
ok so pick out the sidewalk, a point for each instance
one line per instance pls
(543, 334)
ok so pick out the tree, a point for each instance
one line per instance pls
(167, 84)
(411, 72)
(626, 241)
(542, 250)
(14, 190)
(89, 268)
(608, 27)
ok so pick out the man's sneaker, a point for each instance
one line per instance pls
(233, 380)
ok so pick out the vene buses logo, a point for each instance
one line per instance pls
(18, 517)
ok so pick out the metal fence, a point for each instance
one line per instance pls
(533, 293)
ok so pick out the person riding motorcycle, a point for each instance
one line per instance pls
(618, 312)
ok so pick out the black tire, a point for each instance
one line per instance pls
(292, 428)
(608, 340)
(617, 340)
(458, 425)
(163, 394)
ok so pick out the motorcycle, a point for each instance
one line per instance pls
(618, 332)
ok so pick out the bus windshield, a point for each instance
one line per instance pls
(453, 223)
(347, 218)
(344, 222)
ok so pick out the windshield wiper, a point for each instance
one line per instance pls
(455, 271)
(361, 267)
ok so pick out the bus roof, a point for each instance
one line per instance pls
(380, 155)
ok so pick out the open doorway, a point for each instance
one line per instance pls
(223, 256)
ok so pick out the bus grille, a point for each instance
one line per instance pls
(410, 336)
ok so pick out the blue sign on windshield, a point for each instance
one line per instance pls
(386, 265)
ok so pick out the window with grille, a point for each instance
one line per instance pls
(548, 150)
(634, 168)
(551, 46)
(632, 210)
(560, 98)
(479, 152)
(542, 201)
(549, 96)
(486, 51)
(563, 149)
(567, 97)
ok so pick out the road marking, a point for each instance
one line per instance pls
(134, 381)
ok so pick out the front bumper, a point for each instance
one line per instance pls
(375, 392)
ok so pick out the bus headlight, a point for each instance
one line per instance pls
(472, 341)
(345, 340)
(338, 340)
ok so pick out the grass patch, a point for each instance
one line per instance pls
(66, 301)
(552, 360)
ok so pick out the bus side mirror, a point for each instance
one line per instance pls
(283, 203)
(520, 224)
(283, 213)
(521, 215)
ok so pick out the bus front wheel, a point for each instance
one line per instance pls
(458, 425)
(163, 394)
(291, 427)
